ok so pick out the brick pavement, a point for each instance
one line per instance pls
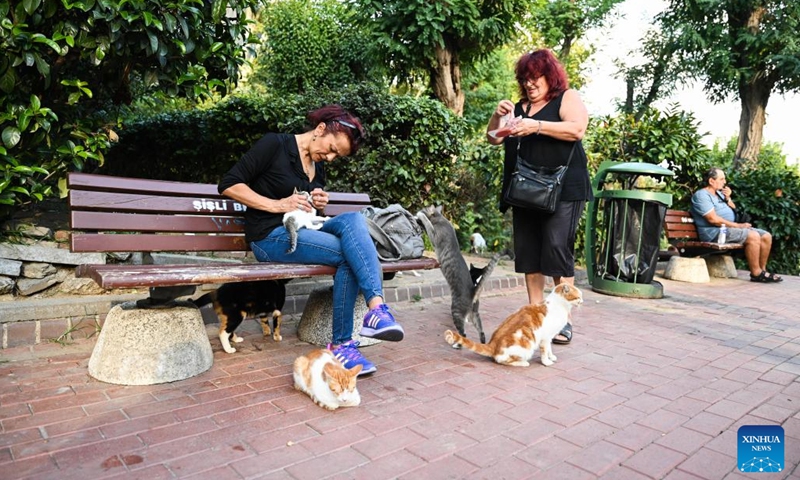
(648, 389)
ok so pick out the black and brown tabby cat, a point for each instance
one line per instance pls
(465, 283)
(234, 302)
(530, 328)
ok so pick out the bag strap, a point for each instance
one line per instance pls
(519, 140)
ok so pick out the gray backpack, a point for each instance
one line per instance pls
(396, 233)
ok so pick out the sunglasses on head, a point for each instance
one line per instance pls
(356, 130)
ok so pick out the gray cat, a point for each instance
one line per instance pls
(465, 283)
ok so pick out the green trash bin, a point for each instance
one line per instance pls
(623, 231)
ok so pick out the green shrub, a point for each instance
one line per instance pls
(410, 155)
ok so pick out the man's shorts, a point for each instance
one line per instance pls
(739, 235)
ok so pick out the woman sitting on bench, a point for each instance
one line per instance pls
(266, 180)
(713, 207)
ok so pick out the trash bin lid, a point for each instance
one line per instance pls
(635, 168)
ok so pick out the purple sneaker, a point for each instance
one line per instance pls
(379, 323)
(349, 356)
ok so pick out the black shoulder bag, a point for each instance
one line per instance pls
(536, 188)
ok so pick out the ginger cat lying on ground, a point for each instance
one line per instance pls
(326, 381)
(530, 328)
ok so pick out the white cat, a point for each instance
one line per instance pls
(478, 242)
(297, 219)
(326, 381)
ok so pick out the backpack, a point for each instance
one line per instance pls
(396, 233)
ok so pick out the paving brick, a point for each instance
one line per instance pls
(708, 423)
(441, 424)
(509, 469)
(95, 459)
(545, 454)
(227, 472)
(663, 420)
(137, 425)
(635, 437)
(118, 403)
(488, 426)
(570, 414)
(586, 432)
(20, 333)
(708, 464)
(54, 444)
(496, 450)
(598, 458)
(446, 468)
(336, 440)
(646, 403)
(773, 413)
(335, 462)
(176, 431)
(209, 459)
(158, 407)
(623, 473)
(684, 440)
(387, 467)
(271, 461)
(42, 419)
(440, 446)
(654, 460)
(686, 406)
(31, 467)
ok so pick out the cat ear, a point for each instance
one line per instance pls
(328, 370)
(439, 208)
(356, 370)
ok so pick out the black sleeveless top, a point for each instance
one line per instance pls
(547, 151)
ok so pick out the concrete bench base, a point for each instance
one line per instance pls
(721, 266)
(316, 323)
(149, 346)
(685, 269)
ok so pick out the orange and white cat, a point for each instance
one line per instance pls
(530, 328)
(326, 381)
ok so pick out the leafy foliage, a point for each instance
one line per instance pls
(64, 63)
(741, 49)
(437, 37)
(409, 156)
(669, 139)
(311, 44)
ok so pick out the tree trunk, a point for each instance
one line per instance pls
(446, 80)
(754, 97)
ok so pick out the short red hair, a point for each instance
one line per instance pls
(542, 63)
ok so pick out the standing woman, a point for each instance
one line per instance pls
(554, 120)
(266, 179)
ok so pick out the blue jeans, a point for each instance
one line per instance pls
(342, 242)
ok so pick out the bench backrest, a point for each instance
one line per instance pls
(679, 224)
(116, 214)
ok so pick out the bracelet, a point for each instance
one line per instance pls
(540, 128)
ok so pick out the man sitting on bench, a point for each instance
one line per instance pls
(713, 207)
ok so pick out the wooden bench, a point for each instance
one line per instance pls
(115, 214)
(681, 233)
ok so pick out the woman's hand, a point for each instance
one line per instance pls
(504, 108)
(319, 198)
(527, 126)
(298, 201)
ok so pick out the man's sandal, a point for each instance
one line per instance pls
(565, 332)
(765, 277)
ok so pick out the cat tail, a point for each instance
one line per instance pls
(206, 299)
(291, 227)
(486, 274)
(458, 341)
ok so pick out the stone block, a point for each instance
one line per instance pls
(150, 346)
(49, 254)
(19, 333)
(12, 268)
(29, 286)
(316, 323)
(6, 285)
(721, 266)
(685, 269)
(37, 270)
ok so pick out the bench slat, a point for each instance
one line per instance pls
(106, 183)
(91, 242)
(135, 276)
(134, 203)
(125, 222)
